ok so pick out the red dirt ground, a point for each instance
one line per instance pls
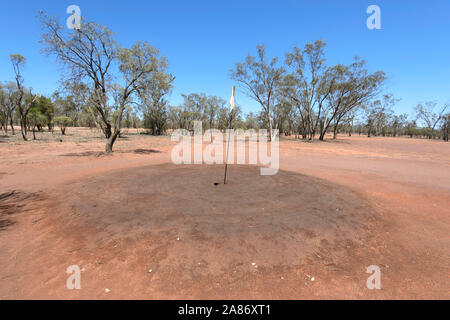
(334, 208)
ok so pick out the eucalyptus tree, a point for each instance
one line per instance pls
(349, 121)
(411, 128)
(378, 114)
(194, 108)
(36, 120)
(152, 91)
(260, 79)
(91, 56)
(176, 117)
(4, 114)
(44, 107)
(446, 127)
(73, 99)
(428, 114)
(65, 105)
(353, 86)
(213, 105)
(283, 116)
(398, 123)
(308, 84)
(224, 116)
(251, 121)
(63, 122)
(10, 94)
(24, 99)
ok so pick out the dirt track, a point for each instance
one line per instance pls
(334, 209)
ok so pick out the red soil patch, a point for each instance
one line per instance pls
(334, 209)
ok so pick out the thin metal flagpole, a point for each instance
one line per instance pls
(228, 149)
(229, 134)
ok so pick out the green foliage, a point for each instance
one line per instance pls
(260, 80)
(46, 108)
(36, 119)
(62, 122)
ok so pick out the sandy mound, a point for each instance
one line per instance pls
(269, 220)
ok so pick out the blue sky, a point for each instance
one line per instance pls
(204, 39)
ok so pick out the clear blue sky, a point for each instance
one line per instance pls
(204, 39)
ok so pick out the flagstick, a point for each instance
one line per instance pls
(228, 148)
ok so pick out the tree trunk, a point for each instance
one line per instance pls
(446, 129)
(23, 129)
(110, 141)
(322, 136)
(12, 125)
(5, 125)
(270, 125)
(324, 131)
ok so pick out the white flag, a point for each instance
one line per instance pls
(232, 99)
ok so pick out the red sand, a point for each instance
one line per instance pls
(334, 209)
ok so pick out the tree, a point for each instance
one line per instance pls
(65, 105)
(213, 105)
(283, 116)
(73, 100)
(446, 126)
(398, 123)
(194, 109)
(308, 84)
(18, 61)
(62, 122)
(251, 121)
(152, 92)
(426, 113)
(176, 117)
(411, 128)
(353, 86)
(378, 113)
(260, 81)
(224, 115)
(4, 107)
(89, 54)
(46, 108)
(36, 120)
(10, 94)
(326, 96)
